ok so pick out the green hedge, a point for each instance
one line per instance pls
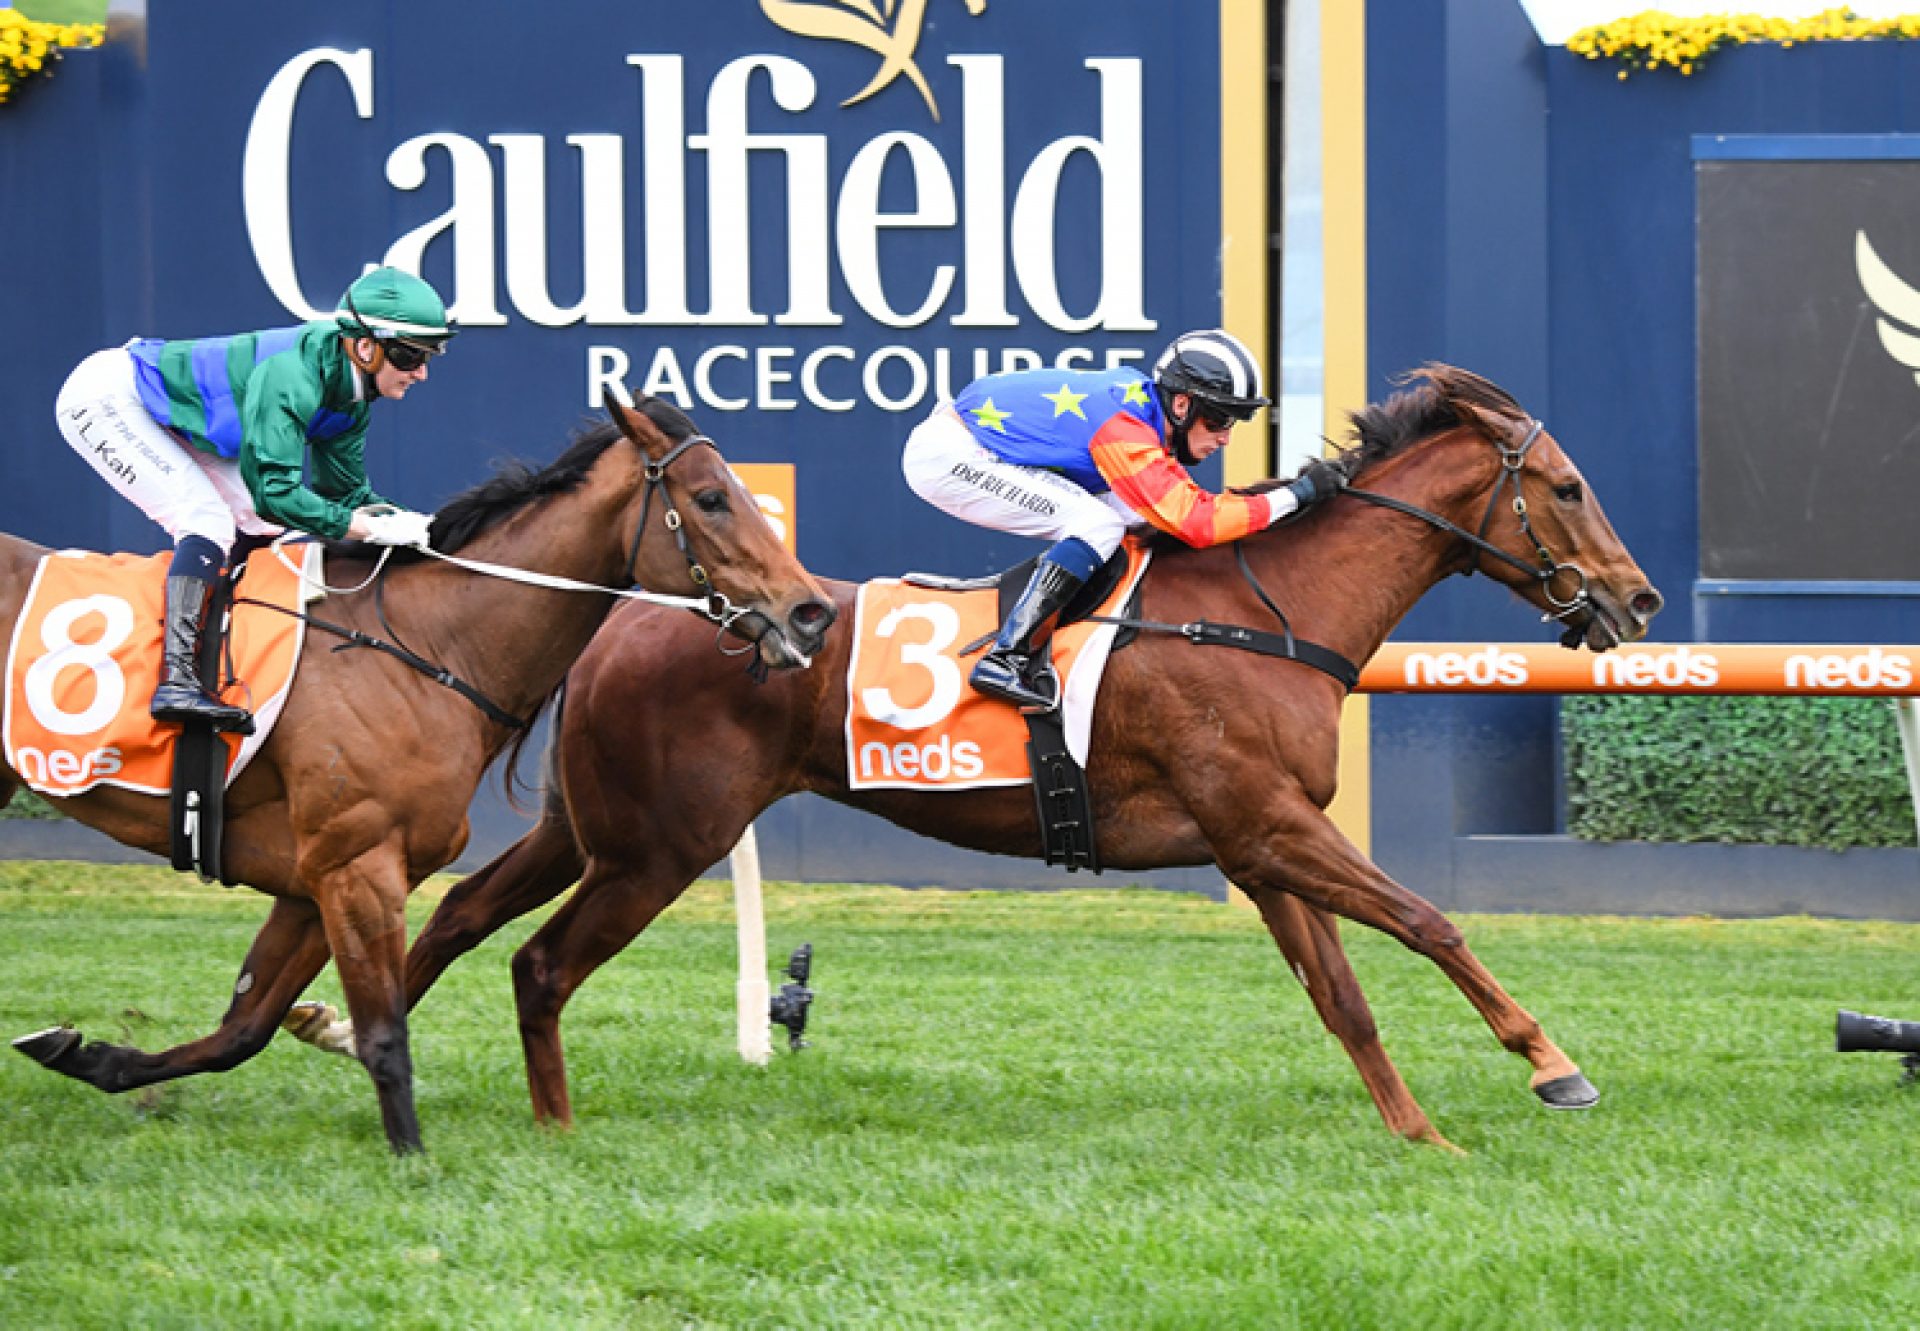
(1774, 771)
(26, 804)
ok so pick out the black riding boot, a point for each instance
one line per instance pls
(1002, 672)
(181, 696)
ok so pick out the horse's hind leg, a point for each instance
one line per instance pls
(1310, 939)
(615, 901)
(288, 952)
(1296, 848)
(527, 875)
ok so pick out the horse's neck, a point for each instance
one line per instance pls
(514, 641)
(1351, 573)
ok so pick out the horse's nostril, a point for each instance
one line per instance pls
(812, 616)
(1646, 604)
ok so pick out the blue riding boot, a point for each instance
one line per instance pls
(1006, 671)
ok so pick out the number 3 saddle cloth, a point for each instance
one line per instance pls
(912, 721)
(85, 658)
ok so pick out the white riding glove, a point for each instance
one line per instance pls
(399, 527)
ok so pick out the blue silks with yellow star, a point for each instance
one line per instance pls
(1048, 418)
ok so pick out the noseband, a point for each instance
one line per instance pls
(1512, 461)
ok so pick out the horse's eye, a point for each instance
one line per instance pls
(711, 501)
(1569, 493)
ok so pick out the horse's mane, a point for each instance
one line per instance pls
(516, 484)
(1426, 407)
(1387, 428)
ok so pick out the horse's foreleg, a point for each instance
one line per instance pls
(1310, 940)
(1299, 850)
(363, 903)
(528, 874)
(288, 952)
(607, 912)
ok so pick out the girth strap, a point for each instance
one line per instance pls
(1288, 648)
(1205, 633)
(438, 674)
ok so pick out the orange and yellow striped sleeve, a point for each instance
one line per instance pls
(1129, 454)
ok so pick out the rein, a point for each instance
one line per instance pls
(1512, 460)
(714, 604)
(1204, 633)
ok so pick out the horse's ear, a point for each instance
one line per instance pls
(632, 422)
(1495, 428)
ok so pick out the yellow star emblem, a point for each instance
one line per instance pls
(991, 416)
(1136, 394)
(1066, 400)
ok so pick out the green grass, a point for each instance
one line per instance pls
(1072, 1110)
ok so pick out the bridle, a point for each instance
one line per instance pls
(655, 473)
(1512, 461)
(719, 608)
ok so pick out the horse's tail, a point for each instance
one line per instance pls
(550, 771)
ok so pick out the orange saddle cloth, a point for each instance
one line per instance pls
(86, 655)
(913, 722)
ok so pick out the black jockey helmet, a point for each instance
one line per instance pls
(1215, 369)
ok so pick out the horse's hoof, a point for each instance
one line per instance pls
(319, 1025)
(48, 1047)
(1572, 1091)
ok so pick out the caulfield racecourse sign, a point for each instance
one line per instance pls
(998, 217)
(803, 223)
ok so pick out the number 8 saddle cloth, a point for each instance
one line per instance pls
(86, 654)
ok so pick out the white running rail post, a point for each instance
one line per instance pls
(1907, 711)
(750, 922)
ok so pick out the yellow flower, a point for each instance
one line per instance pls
(1654, 37)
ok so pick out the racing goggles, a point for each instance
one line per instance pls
(407, 357)
(1215, 416)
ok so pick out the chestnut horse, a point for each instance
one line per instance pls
(1197, 756)
(362, 789)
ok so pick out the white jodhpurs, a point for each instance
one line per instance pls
(189, 493)
(948, 468)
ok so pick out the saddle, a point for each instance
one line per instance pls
(1063, 802)
(1009, 582)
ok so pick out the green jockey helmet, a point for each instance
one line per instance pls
(389, 304)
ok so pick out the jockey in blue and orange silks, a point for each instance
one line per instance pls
(1077, 457)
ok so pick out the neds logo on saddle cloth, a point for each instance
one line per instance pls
(86, 652)
(912, 722)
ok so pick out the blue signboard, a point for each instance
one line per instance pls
(804, 221)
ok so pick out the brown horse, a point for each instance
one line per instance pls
(1197, 756)
(362, 789)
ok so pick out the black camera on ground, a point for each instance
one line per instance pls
(1854, 1032)
(789, 1006)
